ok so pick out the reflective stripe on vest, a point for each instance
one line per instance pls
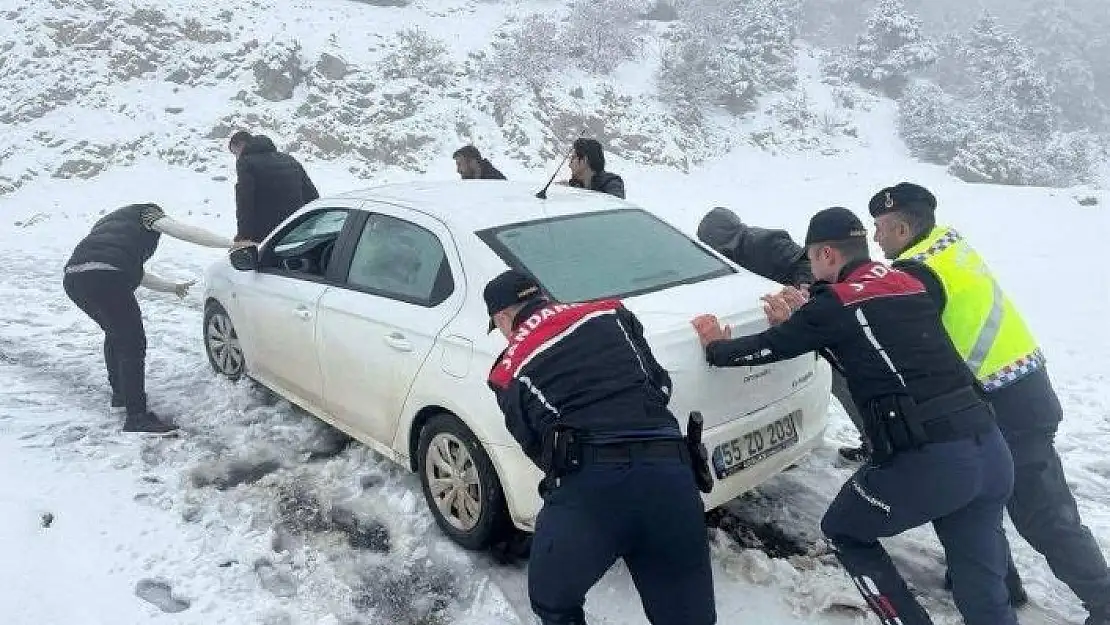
(983, 324)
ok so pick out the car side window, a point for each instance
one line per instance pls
(401, 260)
(307, 246)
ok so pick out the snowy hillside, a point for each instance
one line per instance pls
(94, 84)
(262, 515)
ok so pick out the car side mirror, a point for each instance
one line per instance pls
(244, 258)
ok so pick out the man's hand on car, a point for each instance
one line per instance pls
(795, 297)
(776, 307)
(709, 329)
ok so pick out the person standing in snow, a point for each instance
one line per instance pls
(587, 169)
(1001, 352)
(773, 254)
(470, 165)
(270, 186)
(937, 455)
(101, 277)
(586, 400)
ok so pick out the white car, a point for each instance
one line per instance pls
(366, 310)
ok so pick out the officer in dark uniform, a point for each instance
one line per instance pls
(587, 401)
(101, 276)
(937, 455)
(773, 254)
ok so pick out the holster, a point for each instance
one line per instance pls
(561, 456)
(699, 457)
(897, 423)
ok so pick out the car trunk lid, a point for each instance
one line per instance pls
(726, 393)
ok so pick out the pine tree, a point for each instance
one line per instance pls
(730, 53)
(891, 49)
(1014, 94)
(1060, 37)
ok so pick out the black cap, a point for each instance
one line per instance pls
(904, 196)
(509, 289)
(834, 224)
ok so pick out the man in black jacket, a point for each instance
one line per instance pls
(587, 169)
(472, 166)
(586, 400)
(937, 454)
(774, 255)
(271, 186)
(101, 277)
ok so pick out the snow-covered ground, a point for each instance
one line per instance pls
(261, 515)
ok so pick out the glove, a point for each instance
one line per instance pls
(181, 289)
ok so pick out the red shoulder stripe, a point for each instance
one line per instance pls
(875, 280)
(544, 328)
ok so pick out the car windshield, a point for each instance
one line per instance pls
(617, 253)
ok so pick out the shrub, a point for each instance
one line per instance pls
(729, 54)
(419, 56)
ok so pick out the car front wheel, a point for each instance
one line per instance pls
(221, 343)
(460, 484)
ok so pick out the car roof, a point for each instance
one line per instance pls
(478, 204)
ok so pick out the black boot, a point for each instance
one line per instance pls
(147, 423)
(132, 378)
(855, 454)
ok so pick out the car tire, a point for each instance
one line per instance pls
(448, 452)
(221, 343)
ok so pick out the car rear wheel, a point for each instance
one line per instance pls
(221, 343)
(460, 483)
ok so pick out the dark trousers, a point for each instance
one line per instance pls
(109, 299)
(959, 486)
(1042, 507)
(649, 513)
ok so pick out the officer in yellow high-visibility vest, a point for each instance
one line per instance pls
(1002, 353)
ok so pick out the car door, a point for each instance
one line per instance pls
(278, 303)
(402, 286)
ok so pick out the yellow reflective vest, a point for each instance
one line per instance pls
(982, 322)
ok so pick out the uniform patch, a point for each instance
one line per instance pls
(541, 329)
(874, 280)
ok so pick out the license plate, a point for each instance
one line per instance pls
(754, 447)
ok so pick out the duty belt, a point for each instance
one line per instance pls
(896, 423)
(633, 451)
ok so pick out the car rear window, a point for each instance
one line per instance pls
(616, 253)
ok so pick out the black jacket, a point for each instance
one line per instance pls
(489, 172)
(583, 366)
(877, 325)
(772, 254)
(124, 239)
(604, 181)
(271, 186)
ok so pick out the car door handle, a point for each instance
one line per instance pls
(397, 341)
(302, 313)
